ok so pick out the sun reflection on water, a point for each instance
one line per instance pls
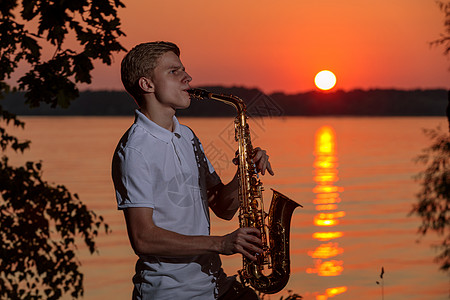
(327, 197)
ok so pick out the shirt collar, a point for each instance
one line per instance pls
(156, 130)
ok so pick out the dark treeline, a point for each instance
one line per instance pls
(378, 102)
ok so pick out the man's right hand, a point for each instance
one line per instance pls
(246, 241)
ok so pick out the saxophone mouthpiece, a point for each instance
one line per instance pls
(199, 93)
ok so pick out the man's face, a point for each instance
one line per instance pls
(171, 82)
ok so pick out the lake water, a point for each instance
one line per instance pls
(354, 177)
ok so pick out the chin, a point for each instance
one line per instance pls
(185, 105)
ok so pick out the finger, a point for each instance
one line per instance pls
(256, 244)
(251, 239)
(249, 248)
(269, 168)
(258, 153)
(257, 156)
(248, 255)
(262, 164)
(252, 231)
(259, 159)
(253, 250)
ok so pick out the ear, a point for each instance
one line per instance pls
(146, 85)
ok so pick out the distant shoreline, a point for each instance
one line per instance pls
(376, 102)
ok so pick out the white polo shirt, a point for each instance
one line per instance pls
(153, 167)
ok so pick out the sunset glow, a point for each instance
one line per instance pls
(326, 268)
(331, 292)
(326, 207)
(325, 144)
(326, 200)
(328, 219)
(335, 291)
(326, 251)
(325, 188)
(281, 46)
(326, 236)
(327, 197)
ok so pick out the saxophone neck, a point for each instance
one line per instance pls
(236, 102)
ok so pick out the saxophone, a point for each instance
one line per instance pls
(274, 235)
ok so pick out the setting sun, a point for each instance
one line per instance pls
(325, 80)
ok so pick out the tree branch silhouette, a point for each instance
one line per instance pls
(433, 200)
(444, 40)
(433, 205)
(40, 222)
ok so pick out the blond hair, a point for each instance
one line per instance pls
(140, 62)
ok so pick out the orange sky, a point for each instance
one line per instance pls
(281, 45)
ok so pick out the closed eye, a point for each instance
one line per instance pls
(176, 69)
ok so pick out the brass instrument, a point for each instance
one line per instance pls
(274, 235)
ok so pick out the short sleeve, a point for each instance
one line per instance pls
(132, 179)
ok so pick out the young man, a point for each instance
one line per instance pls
(164, 185)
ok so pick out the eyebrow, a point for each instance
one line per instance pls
(176, 67)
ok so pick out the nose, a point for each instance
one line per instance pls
(187, 78)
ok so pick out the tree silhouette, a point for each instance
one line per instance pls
(444, 40)
(39, 222)
(433, 205)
